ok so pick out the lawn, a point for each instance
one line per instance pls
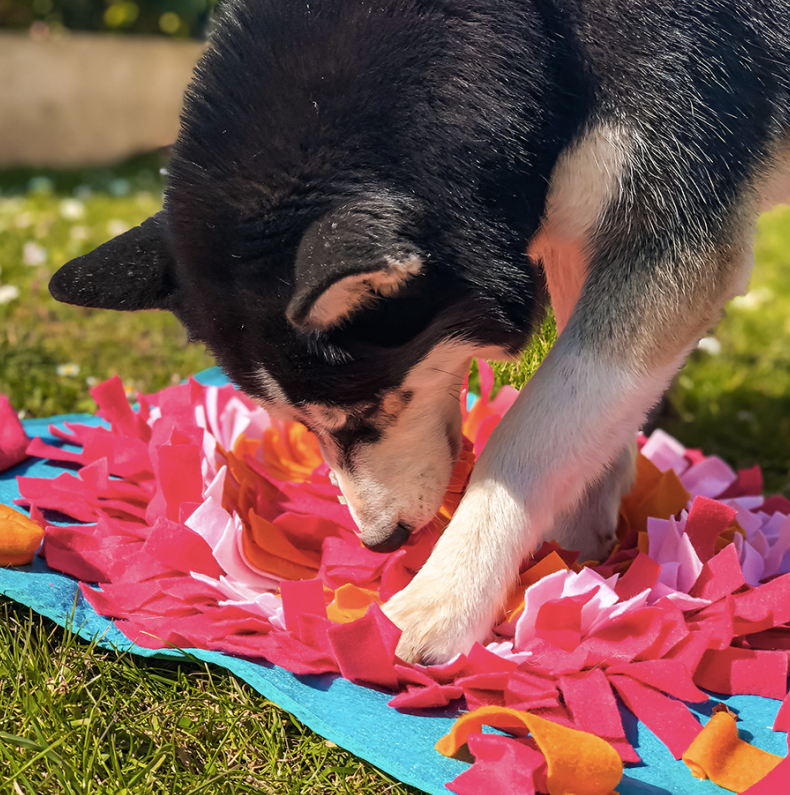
(75, 719)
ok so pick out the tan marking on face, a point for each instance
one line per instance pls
(402, 478)
(348, 295)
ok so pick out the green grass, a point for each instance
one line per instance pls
(50, 353)
(76, 719)
(736, 404)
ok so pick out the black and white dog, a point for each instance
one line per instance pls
(365, 194)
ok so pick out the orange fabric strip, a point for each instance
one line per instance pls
(266, 547)
(719, 754)
(655, 493)
(291, 452)
(579, 763)
(19, 537)
(551, 563)
(351, 603)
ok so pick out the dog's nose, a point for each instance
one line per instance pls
(396, 539)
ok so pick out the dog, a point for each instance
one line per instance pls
(366, 194)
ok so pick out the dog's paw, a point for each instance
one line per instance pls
(437, 624)
(591, 525)
(458, 595)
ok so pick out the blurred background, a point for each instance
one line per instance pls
(90, 96)
(94, 81)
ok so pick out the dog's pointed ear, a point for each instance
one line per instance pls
(348, 259)
(132, 271)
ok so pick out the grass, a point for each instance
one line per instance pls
(77, 719)
(50, 353)
(736, 403)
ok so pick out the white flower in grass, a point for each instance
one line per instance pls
(710, 345)
(24, 220)
(11, 205)
(753, 299)
(117, 227)
(79, 233)
(69, 369)
(8, 293)
(33, 254)
(71, 209)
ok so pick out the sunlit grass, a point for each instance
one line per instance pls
(50, 353)
(75, 719)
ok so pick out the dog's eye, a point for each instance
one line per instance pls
(353, 435)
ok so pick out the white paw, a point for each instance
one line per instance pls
(436, 624)
(458, 595)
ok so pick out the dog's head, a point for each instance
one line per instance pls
(351, 332)
(320, 236)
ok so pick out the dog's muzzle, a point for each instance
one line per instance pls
(398, 537)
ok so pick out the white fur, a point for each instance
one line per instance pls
(571, 421)
(532, 470)
(590, 526)
(402, 478)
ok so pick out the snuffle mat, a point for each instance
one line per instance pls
(195, 521)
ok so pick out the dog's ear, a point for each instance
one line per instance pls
(132, 271)
(348, 259)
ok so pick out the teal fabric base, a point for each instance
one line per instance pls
(356, 718)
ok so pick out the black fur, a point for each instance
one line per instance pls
(298, 109)
(449, 114)
(133, 271)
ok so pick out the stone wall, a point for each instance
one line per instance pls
(88, 99)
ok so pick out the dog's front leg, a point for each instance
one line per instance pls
(570, 421)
